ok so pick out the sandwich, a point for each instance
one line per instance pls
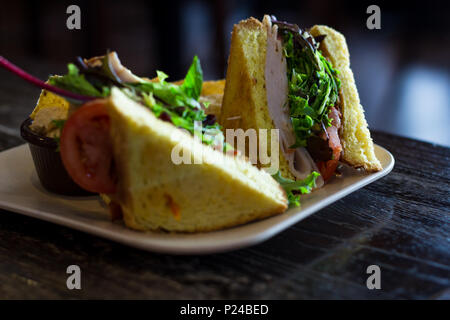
(151, 150)
(215, 191)
(299, 82)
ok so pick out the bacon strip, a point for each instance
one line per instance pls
(334, 141)
(328, 168)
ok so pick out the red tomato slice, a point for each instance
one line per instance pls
(327, 168)
(86, 149)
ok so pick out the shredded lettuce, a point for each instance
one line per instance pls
(313, 83)
(294, 189)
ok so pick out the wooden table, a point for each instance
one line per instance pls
(400, 223)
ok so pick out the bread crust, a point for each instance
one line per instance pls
(358, 149)
(244, 103)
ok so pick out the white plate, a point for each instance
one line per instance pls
(20, 191)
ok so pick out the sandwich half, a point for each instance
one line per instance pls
(299, 82)
(155, 193)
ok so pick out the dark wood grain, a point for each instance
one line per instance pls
(401, 223)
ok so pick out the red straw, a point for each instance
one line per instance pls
(39, 83)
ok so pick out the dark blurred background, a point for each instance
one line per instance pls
(402, 71)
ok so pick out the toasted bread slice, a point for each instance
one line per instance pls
(244, 103)
(212, 93)
(213, 87)
(155, 193)
(355, 137)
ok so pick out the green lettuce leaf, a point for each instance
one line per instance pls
(161, 76)
(295, 188)
(193, 81)
(75, 82)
